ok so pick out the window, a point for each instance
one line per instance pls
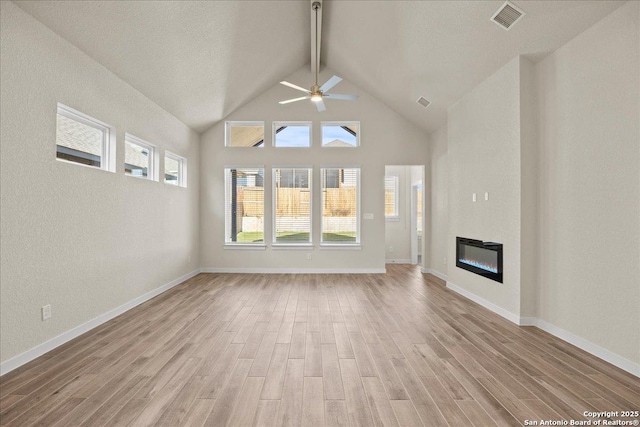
(244, 205)
(292, 134)
(292, 205)
(139, 158)
(244, 134)
(340, 134)
(340, 205)
(391, 186)
(84, 140)
(419, 210)
(175, 169)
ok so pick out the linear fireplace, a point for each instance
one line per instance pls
(483, 258)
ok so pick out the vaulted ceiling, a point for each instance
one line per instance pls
(202, 60)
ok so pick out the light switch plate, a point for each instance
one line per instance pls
(473, 197)
(486, 196)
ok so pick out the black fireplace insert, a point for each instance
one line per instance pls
(483, 258)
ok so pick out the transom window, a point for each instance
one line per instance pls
(175, 169)
(244, 134)
(84, 140)
(340, 205)
(292, 205)
(340, 134)
(139, 158)
(244, 205)
(292, 134)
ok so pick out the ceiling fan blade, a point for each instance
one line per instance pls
(330, 83)
(340, 96)
(320, 105)
(294, 100)
(296, 87)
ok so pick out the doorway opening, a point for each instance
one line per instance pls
(404, 218)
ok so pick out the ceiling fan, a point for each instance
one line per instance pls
(318, 93)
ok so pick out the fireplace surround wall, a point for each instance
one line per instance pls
(483, 258)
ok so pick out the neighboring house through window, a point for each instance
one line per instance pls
(84, 140)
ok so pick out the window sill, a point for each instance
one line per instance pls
(292, 246)
(69, 162)
(340, 247)
(249, 247)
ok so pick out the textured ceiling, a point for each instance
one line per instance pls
(202, 60)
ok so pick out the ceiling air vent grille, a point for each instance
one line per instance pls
(422, 101)
(507, 15)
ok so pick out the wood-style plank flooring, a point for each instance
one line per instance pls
(397, 349)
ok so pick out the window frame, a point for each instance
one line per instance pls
(396, 201)
(345, 245)
(230, 123)
(108, 144)
(276, 124)
(182, 170)
(152, 172)
(274, 243)
(243, 245)
(340, 123)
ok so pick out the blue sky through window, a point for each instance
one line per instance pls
(331, 133)
(294, 136)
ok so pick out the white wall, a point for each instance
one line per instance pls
(483, 132)
(589, 115)
(557, 145)
(83, 240)
(386, 138)
(438, 190)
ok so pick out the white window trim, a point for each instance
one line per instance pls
(340, 123)
(227, 132)
(357, 244)
(245, 246)
(396, 201)
(152, 173)
(276, 125)
(275, 244)
(241, 245)
(182, 171)
(108, 158)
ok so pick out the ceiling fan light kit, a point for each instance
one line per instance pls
(317, 92)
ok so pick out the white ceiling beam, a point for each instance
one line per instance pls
(315, 54)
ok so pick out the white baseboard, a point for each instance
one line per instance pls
(596, 350)
(486, 304)
(435, 273)
(528, 321)
(589, 347)
(397, 261)
(294, 270)
(39, 350)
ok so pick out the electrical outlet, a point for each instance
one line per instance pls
(46, 312)
(308, 256)
(473, 197)
(486, 197)
(444, 261)
(390, 248)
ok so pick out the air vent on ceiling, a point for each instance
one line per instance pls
(422, 101)
(507, 15)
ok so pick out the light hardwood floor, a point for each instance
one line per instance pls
(312, 350)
